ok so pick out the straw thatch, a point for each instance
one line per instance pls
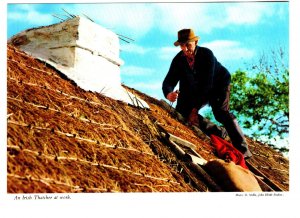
(61, 138)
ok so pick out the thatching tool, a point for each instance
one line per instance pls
(193, 161)
(171, 103)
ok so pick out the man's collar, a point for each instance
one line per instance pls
(195, 52)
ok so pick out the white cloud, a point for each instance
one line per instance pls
(132, 20)
(133, 48)
(136, 20)
(24, 7)
(226, 50)
(156, 85)
(175, 16)
(29, 14)
(168, 53)
(135, 71)
(206, 17)
(152, 88)
(248, 13)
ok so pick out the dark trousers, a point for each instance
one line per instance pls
(219, 101)
(209, 127)
(220, 108)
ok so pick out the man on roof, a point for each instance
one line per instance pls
(202, 80)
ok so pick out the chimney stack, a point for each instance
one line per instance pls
(84, 51)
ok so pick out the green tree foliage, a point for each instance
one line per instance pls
(260, 97)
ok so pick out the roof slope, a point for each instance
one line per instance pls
(64, 139)
(271, 163)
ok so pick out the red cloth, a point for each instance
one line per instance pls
(225, 150)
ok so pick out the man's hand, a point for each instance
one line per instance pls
(193, 118)
(172, 96)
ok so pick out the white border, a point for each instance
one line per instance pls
(169, 204)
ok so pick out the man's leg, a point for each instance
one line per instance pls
(205, 125)
(209, 127)
(237, 137)
(220, 107)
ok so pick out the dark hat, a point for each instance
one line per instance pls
(186, 35)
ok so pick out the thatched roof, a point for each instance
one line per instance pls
(61, 138)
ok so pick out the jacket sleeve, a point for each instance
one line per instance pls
(171, 79)
(211, 65)
(211, 68)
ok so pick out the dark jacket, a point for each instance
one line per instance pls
(197, 86)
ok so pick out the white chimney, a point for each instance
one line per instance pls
(82, 50)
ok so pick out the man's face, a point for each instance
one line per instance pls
(188, 48)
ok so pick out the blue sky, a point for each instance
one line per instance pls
(238, 33)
